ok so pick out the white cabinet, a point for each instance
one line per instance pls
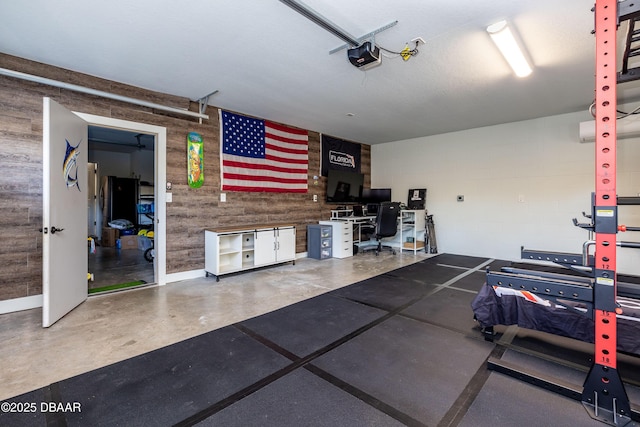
(412, 230)
(275, 245)
(342, 232)
(232, 249)
(286, 239)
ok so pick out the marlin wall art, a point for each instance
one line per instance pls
(70, 165)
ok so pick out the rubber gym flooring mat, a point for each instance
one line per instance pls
(397, 349)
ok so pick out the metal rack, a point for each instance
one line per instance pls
(603, 394)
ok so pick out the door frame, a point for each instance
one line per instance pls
(160, 178)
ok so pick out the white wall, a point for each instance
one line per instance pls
(522, 183)
(138, 164)
(112, 163)
(142, 165)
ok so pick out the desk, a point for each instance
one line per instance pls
(358, 222)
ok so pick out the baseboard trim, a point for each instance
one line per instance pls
(20, 304)
(184, 275)
(196, 274)
(35, 301)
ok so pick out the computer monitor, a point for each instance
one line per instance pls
(376, 195)
(372, 208)
(417, 199)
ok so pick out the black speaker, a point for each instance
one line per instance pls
(364, 55)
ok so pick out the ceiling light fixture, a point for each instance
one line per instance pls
(503, 38)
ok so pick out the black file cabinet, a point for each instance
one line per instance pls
(319, 244)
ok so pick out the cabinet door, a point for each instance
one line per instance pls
(286, 244)
(211, 252)
(264, 249)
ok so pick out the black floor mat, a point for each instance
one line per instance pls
(397, 349)
(472, 282)
(25, 410)
(168, 385)
(507, 402)
(310, 325)
(448, 308)
(457, 260)
(417, 368)
(425, 273)
(386, 292)
(300, 399)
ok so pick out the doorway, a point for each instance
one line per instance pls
(64, 215)
(121, 204)
(134, 153)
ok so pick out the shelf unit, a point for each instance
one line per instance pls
(247, 250)
(319, 241)
(233, 249)
(146, 199)
(342, 238)
(412, 230)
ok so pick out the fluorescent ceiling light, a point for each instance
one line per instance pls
(503, 38)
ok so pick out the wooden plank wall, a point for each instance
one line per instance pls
(192, 210)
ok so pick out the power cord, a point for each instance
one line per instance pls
(622, 114)
(405, 53)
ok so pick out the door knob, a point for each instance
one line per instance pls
(54, 230)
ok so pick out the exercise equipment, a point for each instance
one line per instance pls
(603, 394)
(431, 245)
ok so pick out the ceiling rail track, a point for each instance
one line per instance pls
(103, 94)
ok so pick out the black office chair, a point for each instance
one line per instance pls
(386, 224)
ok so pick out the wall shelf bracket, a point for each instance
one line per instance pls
(203, 103)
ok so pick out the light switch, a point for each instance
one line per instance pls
(223, 197)
(169, 197)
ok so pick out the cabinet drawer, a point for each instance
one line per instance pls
(344, 252)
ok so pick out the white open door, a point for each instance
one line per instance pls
(64, 193)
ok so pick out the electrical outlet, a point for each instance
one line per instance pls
(223, 197)
(315, 197)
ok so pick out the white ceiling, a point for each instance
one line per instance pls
(268, 61)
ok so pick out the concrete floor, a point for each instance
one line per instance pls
(111, 266)
(109, 328)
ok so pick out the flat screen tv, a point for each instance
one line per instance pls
(344, 186)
